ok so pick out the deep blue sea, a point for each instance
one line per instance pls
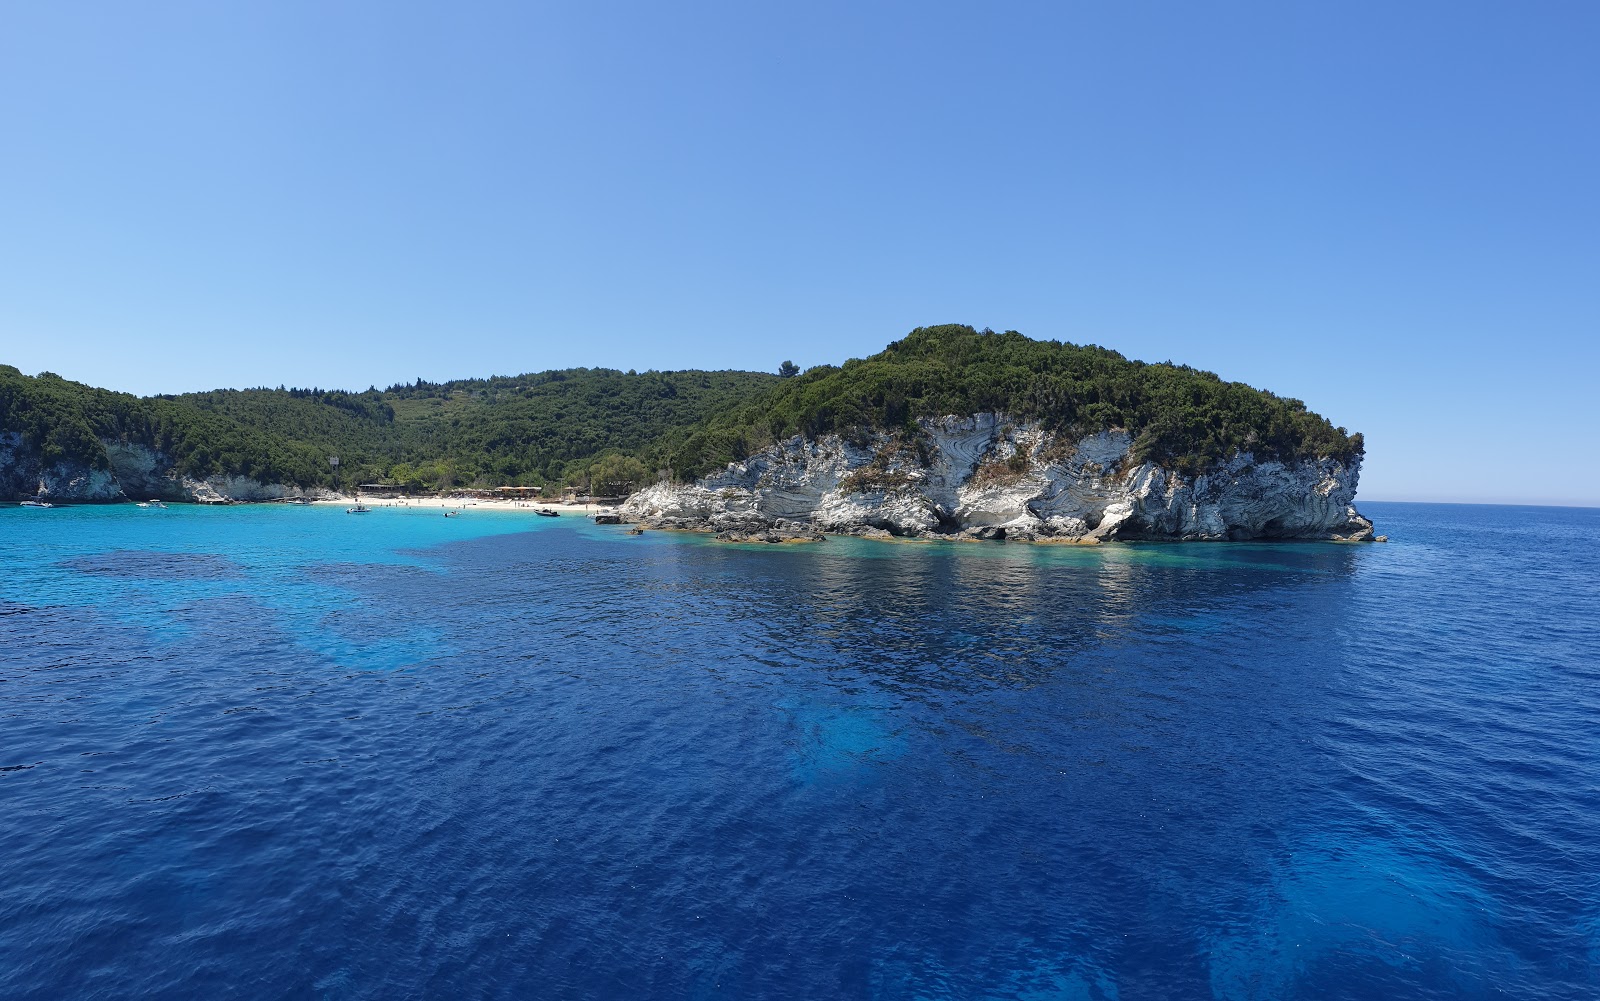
(272, 752)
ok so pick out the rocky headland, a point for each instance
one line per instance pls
(1051, 442)
(990, 477)
(127, 472)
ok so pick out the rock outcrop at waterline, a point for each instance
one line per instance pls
(989, 477)
(133, 472)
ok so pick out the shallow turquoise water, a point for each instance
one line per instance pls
(286, 752)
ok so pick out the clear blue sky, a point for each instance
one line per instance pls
(1391, 211)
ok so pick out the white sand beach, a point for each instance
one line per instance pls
(469, 504)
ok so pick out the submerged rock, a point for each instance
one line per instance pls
(772, 536)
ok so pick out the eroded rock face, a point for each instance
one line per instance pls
(225, 489)
(23, 475)
(988, 477)
(143, 473)
(133, 473)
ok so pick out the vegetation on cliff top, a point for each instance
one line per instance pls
(1178, 415)
(566, 426)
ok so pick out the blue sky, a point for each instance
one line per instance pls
(1387, 210)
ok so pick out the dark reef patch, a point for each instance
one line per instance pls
(156, 566)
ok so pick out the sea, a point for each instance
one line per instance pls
(280, 752)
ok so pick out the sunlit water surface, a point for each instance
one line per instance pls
(274, 752)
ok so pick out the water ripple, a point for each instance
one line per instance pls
(497, 757)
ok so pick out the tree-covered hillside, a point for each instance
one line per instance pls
(1177, 414)
(555, 427)
(538, 428)
(62, 421)
(532, 429)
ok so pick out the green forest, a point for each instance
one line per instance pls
(624, 428)
(545, 428)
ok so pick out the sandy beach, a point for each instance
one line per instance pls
(469, 504)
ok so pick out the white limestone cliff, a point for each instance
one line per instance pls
(990, 477)
(132, 472)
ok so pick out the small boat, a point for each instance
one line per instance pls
(451, 514)
(545, 512)
(154, 502)
(360, 508)
(37, 503)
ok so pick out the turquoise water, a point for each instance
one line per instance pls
(281, 752)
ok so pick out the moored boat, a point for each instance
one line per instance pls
(37, 503)
(360, 508)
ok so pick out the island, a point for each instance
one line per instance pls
(949, 432)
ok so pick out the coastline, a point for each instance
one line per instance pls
(464, 504)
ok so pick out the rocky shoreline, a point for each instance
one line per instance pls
(987, 477)
(980, 478)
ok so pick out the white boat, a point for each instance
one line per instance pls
(37, 503)
(155, 502)
(358, 509)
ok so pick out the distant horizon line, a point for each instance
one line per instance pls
(1482, 503)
